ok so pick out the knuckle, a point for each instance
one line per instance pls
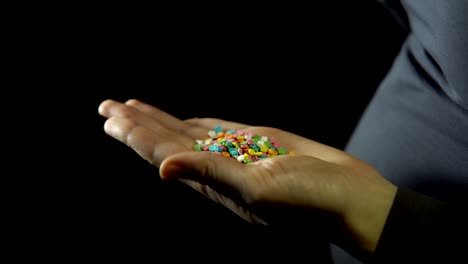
(256, 196)
(127, 112)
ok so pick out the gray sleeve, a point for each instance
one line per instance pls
(442, 29)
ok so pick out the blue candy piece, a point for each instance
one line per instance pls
(215, 148)
(234, 152)
(218, 129)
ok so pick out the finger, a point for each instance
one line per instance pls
(105, 106)
(148, 144)
(210, 123)
(167, 120)
(223, 174)
(117, 109)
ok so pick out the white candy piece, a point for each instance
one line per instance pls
(212, 133)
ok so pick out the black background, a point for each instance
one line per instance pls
(308, 69)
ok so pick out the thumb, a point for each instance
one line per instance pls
(206, 168)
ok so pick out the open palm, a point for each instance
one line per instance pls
(319, 176)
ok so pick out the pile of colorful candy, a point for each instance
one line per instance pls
(241, 145)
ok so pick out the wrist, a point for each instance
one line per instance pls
(366, 219)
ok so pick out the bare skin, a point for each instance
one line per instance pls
(317, 177)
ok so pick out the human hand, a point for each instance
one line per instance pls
(317, 177)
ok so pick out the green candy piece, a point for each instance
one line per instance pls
(281, 151)
(197, 147)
